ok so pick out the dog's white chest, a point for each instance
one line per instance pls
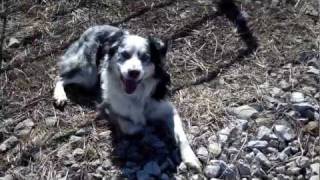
(128, 107)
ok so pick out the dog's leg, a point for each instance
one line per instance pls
(187, 155)
(59, 95)
(167, 112)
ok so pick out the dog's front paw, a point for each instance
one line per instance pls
(190, 159)
(60, 99)
(60, 102)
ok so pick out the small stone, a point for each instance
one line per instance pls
(243, 112)
(75, 139)
(291, 164)
(263, 159)
(13, 43)
(315, 168)
(225, 133)
(293, 171)
(202, 153)
(276, 92)
(284, 85)
(51, 121)
(280, 169)
(215, 149)
(8, 144)
(195, 130)
(283, 156)
(274, 3)
(263, 121)
(258, 172)
(250, 156)
(106, 164)
(152, 168)
(229, 173)
(242, 124)
(303, 162)
(313, 70)
(244, 169)
(284, 132)
(196, 177)
(300, 177)
(83, 131)
(297, 97)
(287, 151)
(257, 144)
(164, 176)
(75, 166)
(104, 134)
(283, 177)
(212, 171)
(78, 154)
(265, 133)
(24, 127)
(142, 175)
(64, 151)
(305, 109)
(272, 150)
(312, 127)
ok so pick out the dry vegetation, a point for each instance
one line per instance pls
(207, 75)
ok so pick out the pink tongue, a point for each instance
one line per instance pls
(130, 86)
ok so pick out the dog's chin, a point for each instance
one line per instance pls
(129, 85)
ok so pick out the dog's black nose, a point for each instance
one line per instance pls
(134, 74)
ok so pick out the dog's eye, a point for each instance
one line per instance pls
(145, 58)
(125, 54)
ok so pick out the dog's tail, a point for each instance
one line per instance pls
(232, 12)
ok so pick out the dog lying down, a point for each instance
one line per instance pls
(133, 81)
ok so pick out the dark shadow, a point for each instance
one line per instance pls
(133, 154)
(88, 98)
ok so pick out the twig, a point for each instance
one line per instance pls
(4, 23)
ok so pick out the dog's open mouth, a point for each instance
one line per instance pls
(130, 85)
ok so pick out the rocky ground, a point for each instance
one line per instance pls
(255, 117)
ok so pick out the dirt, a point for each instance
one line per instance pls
(203, 59)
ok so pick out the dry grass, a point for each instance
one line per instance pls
(45, 29)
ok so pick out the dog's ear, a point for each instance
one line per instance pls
(114, 41)
(158, 49)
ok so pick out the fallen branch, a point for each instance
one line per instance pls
(4, 24)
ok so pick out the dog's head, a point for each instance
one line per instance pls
(135, 59)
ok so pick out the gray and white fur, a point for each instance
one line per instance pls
(133, 81)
